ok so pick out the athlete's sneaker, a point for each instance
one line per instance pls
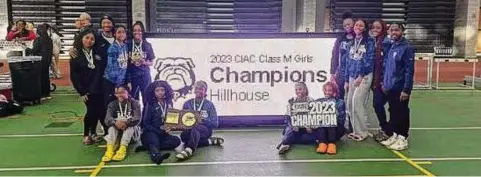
(391, 140)
(400, 144)
(380, 136)
(284, 148)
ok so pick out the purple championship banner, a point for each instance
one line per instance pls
(250, 77)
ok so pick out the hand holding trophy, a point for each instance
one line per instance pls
(138, 58)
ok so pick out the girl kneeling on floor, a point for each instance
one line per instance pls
(330, 135)
(201, 134)
(122, 116)
(297, 135)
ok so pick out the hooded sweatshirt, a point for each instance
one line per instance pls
(360, 62)
(129, 109)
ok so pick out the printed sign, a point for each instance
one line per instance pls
(314, 114)
(250, 77)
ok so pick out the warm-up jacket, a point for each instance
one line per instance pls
(84, 79)
(379, 60)
(153, 118)
(102, 46)
(212, 121)
(399, 67)
(363, 64)
(116, 71)
(133, 112)
(339, 56)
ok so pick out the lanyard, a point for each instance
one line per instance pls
(200, 106)
(90, 58)
(137, 48)
(163, 108)
(357, 43)
(124, 112)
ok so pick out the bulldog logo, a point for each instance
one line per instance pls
(178, 72)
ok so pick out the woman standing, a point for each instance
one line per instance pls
(141, 56)
(339, 53)
(378, 33)
(115, 73)
(359, 70)
(86, 76)
(43, 46)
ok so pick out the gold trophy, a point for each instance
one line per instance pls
(181, 119)
(137, 58)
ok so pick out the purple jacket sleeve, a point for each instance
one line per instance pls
(335, 56)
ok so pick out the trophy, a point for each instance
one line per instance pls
(137, 58)
(181, 119)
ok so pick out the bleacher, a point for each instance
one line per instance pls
(211, 16)
(428, 23)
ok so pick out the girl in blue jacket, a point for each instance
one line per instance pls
(359, 69)
(115, 73)
(155, 137)
(201, 134)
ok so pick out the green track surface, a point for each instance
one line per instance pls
(428, 109)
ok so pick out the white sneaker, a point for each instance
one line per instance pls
(180, 148)
(284, 148)
(391, 140)
(400, 144)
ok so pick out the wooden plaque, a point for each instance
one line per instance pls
(181, 119)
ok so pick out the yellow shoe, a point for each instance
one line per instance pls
(120, 154)
(109, 153)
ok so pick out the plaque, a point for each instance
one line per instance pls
(181, 119)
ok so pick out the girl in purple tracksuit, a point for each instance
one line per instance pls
(359, 77)
(296, 135)
(201, 134)
(141, 56)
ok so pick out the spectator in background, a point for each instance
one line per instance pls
(57, 45)
(398, 78)
(19, 32)
(85, 20)
(43, 46)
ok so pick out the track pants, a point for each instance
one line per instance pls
(301, 137)
(196, 137)
(356, 106)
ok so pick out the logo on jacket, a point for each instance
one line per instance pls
(178, 72)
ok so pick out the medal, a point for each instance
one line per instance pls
(90, 58)
(163, 109)
(137, 54)
(123, 113)
(202, 112)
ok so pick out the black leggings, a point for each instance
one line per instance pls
(95, 112)
(45, 77)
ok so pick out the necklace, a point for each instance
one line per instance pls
(90, 58)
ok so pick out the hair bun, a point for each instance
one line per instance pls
(346, 14)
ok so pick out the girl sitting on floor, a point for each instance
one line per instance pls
(296, 135)
(122, 116)
(155, 136)
(330, 135)
(201, 134)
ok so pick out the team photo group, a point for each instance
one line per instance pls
(372, 68)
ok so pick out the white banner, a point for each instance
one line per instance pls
(244, 76)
